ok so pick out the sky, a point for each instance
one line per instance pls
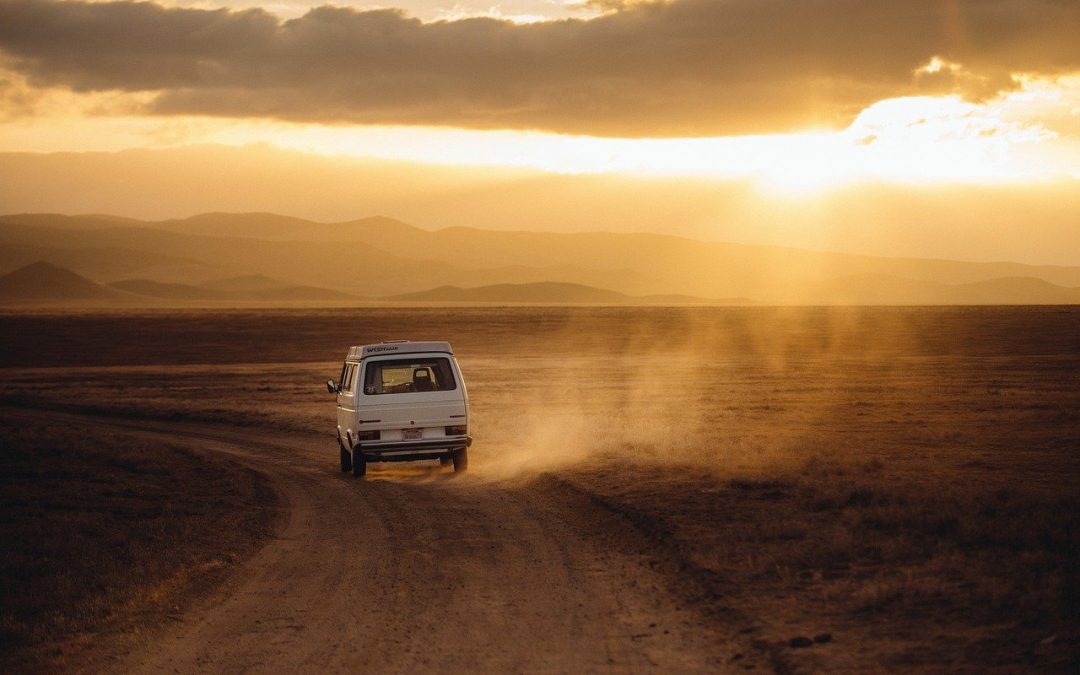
(803, 100)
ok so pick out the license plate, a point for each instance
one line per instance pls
(412, 434)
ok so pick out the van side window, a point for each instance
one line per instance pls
(348, 378)
(406, 376)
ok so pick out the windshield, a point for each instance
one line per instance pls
(404, 376)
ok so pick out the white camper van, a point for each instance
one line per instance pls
(400, 401)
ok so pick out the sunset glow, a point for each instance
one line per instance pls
(917, 140)
(533, 85)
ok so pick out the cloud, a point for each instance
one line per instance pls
(682, 67)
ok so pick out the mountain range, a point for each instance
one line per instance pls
(266, 258)
(44, 283)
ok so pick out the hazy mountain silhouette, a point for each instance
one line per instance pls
(350, 266)
(1017, 291)
(552, 293)
(248, 291)
(472, 247)
(272, 227)
(106, 264)
(677, 299)
(42, 282)
(300, 293)
(262, 287)
(244, 284)
(167, 291)
(879, 289)
(978, 222)
(543, 292)
(382, 257)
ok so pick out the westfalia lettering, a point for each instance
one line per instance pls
(381, 349)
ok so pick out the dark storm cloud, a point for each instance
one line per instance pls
(681, 67)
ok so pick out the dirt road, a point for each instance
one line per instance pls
(416, 568)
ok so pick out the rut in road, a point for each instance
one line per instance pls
(419, 568)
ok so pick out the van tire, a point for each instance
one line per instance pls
(461, 460)
(346, 459)
(444, 460)
(359, 464)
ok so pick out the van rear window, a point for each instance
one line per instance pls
(406, 376)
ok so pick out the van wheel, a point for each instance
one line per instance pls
(444, 460)
(346, 459)
(461, 460)
(359, 464)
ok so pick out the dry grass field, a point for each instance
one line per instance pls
(107, 536)
(865, 488)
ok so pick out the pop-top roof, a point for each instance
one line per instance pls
(391, 347)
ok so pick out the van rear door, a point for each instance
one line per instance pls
(411, 397)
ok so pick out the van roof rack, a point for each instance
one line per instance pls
(392, 347)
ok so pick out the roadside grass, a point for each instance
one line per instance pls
(956, 569)
(289, 397)
(100, 527)
(996, 554)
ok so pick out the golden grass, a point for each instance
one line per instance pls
(100, 526)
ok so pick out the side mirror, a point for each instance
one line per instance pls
(331, 387)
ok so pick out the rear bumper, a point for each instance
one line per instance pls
(390, 451)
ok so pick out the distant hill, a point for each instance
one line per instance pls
(157, 289)
(300, 293)
(259, 256)
(107, 264)
(185, 292)
(632, 263)
(1016, 291)
(272, 227)
(262, 287)
(675, 300)
(355, 268)
(540, 293)
(244, 284)
(42, 282)
(552, 293)
(879, 289)
(246, 225)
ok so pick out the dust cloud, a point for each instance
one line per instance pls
(718, 391)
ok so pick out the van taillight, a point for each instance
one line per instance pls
(367, 435)
(457, 430)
